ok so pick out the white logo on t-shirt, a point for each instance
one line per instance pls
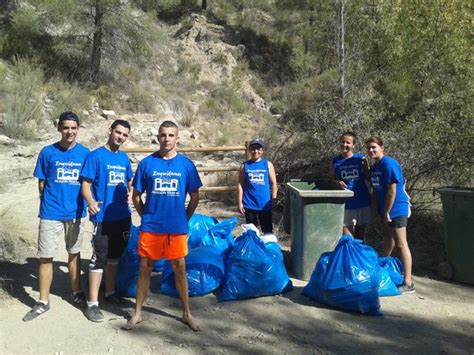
(65, 174)
(255, 177)
(375, 181)
(348, 174)
(163, 184)
(116, 177)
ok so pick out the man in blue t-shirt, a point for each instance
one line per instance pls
(62, 209)
(106, 185)
(166, 178)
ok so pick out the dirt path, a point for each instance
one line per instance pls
(439, 318)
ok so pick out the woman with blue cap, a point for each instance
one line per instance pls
(257, 188)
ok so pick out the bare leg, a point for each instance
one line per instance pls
(346, 230)
(110, 276)
(181, 281)
(95, 277)
(146, 266)
(400, 236)
(74, 266)
(45, 272)
(388, 240)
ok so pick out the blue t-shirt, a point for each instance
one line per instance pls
(351, 171)
(109, 172)
(257, 193)
(166, 183)
(383, 173)
(60, 169)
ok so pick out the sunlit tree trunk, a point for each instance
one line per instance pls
(96, 54)
(341, 50)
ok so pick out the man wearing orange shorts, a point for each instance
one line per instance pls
(166, 178)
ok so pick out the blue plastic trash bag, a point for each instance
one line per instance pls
(394, 267)
(254, 269)
(219, 236)
(198, 225)
(205, 271)
(347, 278)
(129, 267)
(386, 286)
(159, 265)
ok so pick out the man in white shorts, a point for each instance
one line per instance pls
(62, 210)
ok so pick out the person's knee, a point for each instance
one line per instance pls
(146, 267)
(178, 265)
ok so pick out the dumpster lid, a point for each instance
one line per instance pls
(319, 189)
(456, 190)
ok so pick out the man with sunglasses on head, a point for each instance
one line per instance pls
(106, 186)
(257, 188)
(62, 210)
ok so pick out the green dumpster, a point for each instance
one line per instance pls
(317, 214)
(458, 213)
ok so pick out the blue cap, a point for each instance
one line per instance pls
(258, 141)
(68, 115)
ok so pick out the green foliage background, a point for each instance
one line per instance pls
(407, 70)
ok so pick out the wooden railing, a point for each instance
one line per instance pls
(203, 169)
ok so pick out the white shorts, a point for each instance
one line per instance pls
(50, 233)
(361, 215)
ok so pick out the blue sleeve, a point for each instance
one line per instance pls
(393, 173)
(41, 166)
(193, 181)
(137, 182)
(89, 170)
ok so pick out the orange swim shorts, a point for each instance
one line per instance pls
(162, 245)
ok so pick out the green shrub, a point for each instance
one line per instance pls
(188, 120)
(130, 74)
(66, 97)
(23, 99)
(106, 96)
(141, 100)
(188, 67)
(220, 58)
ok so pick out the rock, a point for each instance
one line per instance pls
(109, 114)
(143, 117)
(153, 132)
(6, 140)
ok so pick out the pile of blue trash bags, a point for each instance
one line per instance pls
(245, 267)
(352, 277)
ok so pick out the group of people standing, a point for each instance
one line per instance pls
(379, 190)
(73, 180)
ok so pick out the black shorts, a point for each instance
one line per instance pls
(262, 218)
(399, 222)
(109, 240)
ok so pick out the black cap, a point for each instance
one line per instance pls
(258, 141)
(68, 115)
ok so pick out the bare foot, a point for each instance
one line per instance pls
(132, 322)
(191, 322)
